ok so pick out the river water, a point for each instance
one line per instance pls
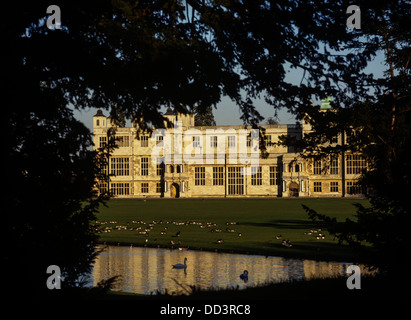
(149, 270)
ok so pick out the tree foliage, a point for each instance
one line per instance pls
(134, 57)
(376, 125)
(204, 117)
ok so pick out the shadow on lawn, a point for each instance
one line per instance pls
(314, 250)
(283, 224)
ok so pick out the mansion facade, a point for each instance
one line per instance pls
(197, 161)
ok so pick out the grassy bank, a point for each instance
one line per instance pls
(257, 226)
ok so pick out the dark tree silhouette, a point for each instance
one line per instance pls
(204, 117)
(133, 57)
(378, 126)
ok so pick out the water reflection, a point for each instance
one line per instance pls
(148, 270)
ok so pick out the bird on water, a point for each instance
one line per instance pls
(181, 265)
(244, 276)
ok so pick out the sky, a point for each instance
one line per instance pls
(227, 113)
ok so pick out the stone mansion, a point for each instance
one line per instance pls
(197, 161)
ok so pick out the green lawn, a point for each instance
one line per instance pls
(259, 221)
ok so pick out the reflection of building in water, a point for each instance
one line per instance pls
(293, 269)
(148, 270)
(319, 269)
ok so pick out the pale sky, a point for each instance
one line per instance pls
(227, 113)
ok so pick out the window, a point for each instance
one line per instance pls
(231, 141)
(144, 141)
(248, 140)
(102, 187)
(144, 187)
(334, 165)
(158, 187)
(350, 137)
(196, 142)
(256, 176)
(199, 178)
(103, 142)
(218, 176)
(317, 187)
(334, 186)
(268, 141)
(160, 169)
(144, 166)
(274, 176)
(235, 180)
(120, 189)
(213, 142)
(159, 140)
(123, 141)
(317, 167)
(119, 166)
(355, 164)
(354, 187)
(103, 170)
(334, 138)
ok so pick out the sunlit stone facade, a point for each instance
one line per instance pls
(220, 161)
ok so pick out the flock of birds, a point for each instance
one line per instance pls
(144, 228)
(317, 233)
